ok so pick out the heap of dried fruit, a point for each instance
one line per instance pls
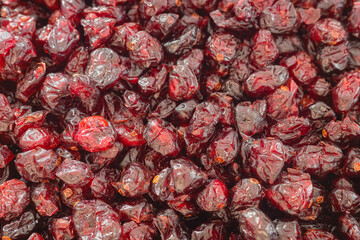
(179, 119)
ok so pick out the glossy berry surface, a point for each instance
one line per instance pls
(179, 119)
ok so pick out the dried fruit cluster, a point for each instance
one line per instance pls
(179, 119)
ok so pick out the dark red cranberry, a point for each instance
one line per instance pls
(288, 229)
(254, 224)
(153, 80)
(214, 197)
(292, 193)
(316, 234)
(354, 21)
(318, 160)
(21, 227)
(14, 198)
(264, 158)
(96, 219)
(62, 228)
(248, 192)
(349, 227)
(183, 83)
(346, 93)
(74, 173)
(5, 156)
(134, 181)
(137, 211)
(327, 31)
(100, 185)
(251, 118)
(38, 137)
(344, 200)
(95, 134)
(333, 57)
(162, 25)
(133, 230)
(45, 198)
(224, 147)
(37, 164)
(264, 51)
(70, 195)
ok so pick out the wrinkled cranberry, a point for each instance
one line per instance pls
(254, 224)
(349, 227)
(214, 197)
(183, 83)
(62, 228)
(137, 211)
(264, 158)
(37, 164)
(346, 93)
(14, 197)
(288, 230)
(134, 180)
(5, 156)
(20, 227)
(264, 50)
(96, 219)
(292, 193)
(74, 173)
(45, 198)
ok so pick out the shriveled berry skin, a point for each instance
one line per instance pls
(162, 25)
(224, 147)
(251, 118)
(221, 47)
(14, 198)
(5, 156)
(38, 137)
(162, 137)
(290, 130)
(301, 68)
(352, 163)
(327, 31)
(45, 198)
(344, 200)
(280, 17)
(212, 230)
(74, 173)
(342, 131)
(35, 236)
(37, 164)
(214, 197)
(104, 67)
(187, 176)
(145, 49)
(202, 127)
(333, 58)
(137, 211)
(288, 230)
(153, 80)
(264, 158)
(349, 227)
(94, 219)
(254, 224)
(354, 20)
(292, 193)
(62, 228)
(315, 234)
(21, 226)
(265, 81)
(77, 61)
(264, 51)
(346, 93)
(53, 89)
(98, 30)
(183, 83)
(95, 134)
(318, 160)
(100, 185)
(248, 192)
(134, 180)
(69, 36)
(282, 103)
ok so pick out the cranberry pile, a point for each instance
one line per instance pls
(179, 119)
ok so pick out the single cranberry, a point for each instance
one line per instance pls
(6, 156)
(62, 228)
(183, 83)
(77, 62)
(254, 224)
(344, 200)
(134, 180)
(35, 236)
(74, 173)
(162, 25)
(251, 118)
(264, 158)
(288, 230)
(224, 147)
(104, 67)
(162, 137)
(137, 211)
(21, 227)
(153, 80)
(38, 137)
(327, 31)
(98, 30)
(346, 93)
(14, 198)
(184, 41)
(96, 219)
(248, 192)
(37, 164)
(349, 227)
(149, 8)
(264, 50)
(214, 197)
(333, 57)
(341, 131)
(100, 185)
(95, 134)
(316, 234)
(354, 21)
(318, 159)
(133, 230)
(70, 195)
(319, 88)
(292, 193)
(45, 198)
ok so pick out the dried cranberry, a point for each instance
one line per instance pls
(214, 197)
